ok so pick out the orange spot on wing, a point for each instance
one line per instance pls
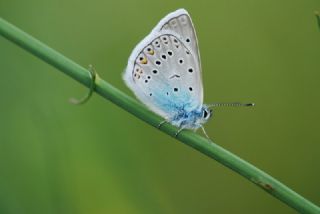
(144, 61)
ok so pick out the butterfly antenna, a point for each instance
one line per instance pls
(235, 104)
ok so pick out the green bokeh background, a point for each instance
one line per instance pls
(97, 158)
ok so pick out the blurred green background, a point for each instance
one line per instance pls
(97, 158)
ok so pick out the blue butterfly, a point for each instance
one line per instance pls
(164, 72)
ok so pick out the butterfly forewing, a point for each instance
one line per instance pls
(182, 26)
(180, 23)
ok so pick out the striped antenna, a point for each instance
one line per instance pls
(235, 104)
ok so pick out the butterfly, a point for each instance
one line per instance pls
(164, 72)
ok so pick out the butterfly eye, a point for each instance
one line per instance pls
(205, 114)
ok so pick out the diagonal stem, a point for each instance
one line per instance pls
(106, 90)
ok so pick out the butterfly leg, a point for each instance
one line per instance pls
(166, 120)
(93, 77)
(177, 133)
(205, 133)
(162, 122)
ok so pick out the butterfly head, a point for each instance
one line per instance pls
(206, 113)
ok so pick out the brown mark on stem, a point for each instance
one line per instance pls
(266, 186)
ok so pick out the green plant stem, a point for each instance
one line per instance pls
(212, 150)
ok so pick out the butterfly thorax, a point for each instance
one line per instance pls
(191, 119)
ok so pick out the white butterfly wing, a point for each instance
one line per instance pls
(180, 22)
(164, 71)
